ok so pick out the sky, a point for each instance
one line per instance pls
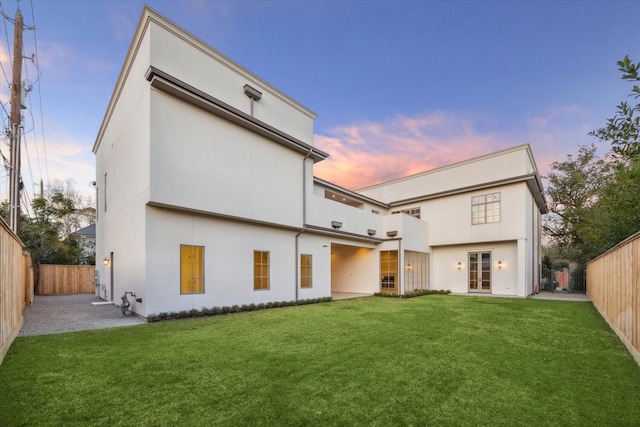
(400, 87)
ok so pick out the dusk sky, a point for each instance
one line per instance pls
(399, 87)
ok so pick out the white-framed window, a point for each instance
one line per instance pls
(485, 209)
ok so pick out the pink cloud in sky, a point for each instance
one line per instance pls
(368, 153)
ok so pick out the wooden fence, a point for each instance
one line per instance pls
(66, 279)
(16, 286)
(613, 285)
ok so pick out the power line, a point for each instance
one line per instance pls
(37, 64)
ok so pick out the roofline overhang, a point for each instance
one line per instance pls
(532, 180)
(345, 234)
(181, 90)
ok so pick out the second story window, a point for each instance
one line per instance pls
(485, 209)
(414, 212)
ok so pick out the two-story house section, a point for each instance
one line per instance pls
(484, 218)
(206, 197)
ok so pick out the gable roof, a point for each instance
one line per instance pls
(511, 165)
(88, 231)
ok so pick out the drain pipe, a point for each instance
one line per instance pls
(304, 220)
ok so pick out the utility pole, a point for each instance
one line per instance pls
(14, 140)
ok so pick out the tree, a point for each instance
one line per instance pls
(48, 235)
(574, 186)
(623, 129)
(617, 212)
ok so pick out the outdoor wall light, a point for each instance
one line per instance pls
(409, 267)
(336, 224)
(459, 266)
(252, 93)
(371, 232)
(392, 233)
(106, 261)
(499, 265)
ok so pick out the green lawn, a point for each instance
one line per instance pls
(431, 360)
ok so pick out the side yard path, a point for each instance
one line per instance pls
(54, 314)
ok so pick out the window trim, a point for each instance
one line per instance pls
(261, 266)
(200, 266)
(480, 208)
(306, 280)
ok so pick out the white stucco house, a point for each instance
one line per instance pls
(207, 198)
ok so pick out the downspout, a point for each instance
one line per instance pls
(304, 220)
(400, 267)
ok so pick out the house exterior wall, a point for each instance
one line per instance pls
(323, 211)
(354, 269)
(204, 163)
(492, 168)
(187, 58)
(122, 153)
(445, 274)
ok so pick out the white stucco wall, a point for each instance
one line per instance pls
(180, 54)
(354, 268)
(202, 162)
(450, 217)
(446, 276)
(122, 153)
(491, 168)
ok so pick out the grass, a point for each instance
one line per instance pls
(433, 360)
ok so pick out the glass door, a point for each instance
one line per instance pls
(480, 272)
(389, 283)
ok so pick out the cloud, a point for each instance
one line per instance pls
(61, 159)
(367, 153)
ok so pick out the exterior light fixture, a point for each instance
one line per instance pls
(499, 265)
(336, 224)
(371, 232)
(409, 267)
(392, 233)
(252, 93)
(459, 266)
(106, 261)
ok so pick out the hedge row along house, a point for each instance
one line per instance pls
(207, 198)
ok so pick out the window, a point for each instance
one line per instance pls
(105, 191)
(389, 272)
(485, 209)
(260, 270)
(191, 269)
(414, 212)
(306, 271)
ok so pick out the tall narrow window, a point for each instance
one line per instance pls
(485, 209)
(389, 272)
(105, 191)
(306, 271)
(191, 269)
(260, 270)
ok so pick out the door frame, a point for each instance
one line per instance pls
(479, 279)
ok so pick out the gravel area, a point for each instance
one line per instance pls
(54, 314)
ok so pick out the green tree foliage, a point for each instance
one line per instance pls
(48, 234)
(616, 215)
(623, 130)
(573, 188)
